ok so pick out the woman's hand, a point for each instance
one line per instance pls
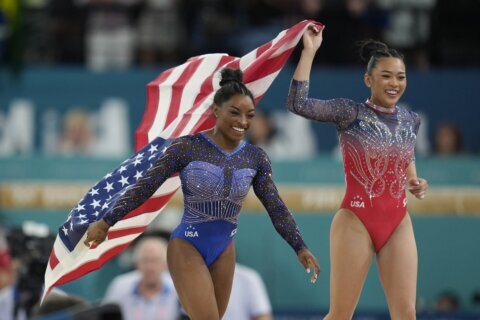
(418, 187)
(312, 38)
(96, 232)
(308, 260)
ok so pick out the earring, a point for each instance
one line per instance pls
(215, 115)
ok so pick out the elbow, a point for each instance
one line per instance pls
(292, 106)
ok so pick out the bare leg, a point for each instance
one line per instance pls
(192, 279)
(222, 274)
(351, 254)
(397, 265)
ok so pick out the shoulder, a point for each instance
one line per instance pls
(128, 279)
(409, 114)
(257, 153)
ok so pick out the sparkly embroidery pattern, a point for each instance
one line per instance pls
(214, 184)
(377, 146)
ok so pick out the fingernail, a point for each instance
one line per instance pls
(308, 270)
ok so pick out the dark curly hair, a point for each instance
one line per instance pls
(371, 51)
(230, 85)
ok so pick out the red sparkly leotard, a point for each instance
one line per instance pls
(377, 147)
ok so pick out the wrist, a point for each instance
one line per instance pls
(309, 52)
(104, 224)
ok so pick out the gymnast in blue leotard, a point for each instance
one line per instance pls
(216, 168)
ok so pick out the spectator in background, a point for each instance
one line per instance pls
(148, 292)
(283, 135)
(160, 32)
(348, 21)
(249, 298)
(7, 288)
(78, 134)
(448, 139)
(110, 33)
(447, 302)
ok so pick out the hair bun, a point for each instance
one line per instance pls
(370, 47)
(231, 75)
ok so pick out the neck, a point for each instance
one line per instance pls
(380, 108)
(223, 142)
(149, 289)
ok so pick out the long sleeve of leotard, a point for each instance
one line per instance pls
(282, 219)
(342, 112)
(171, 161)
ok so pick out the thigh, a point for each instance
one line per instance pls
(351, 254)
(192, 280)
(397, 264)
(222, 274)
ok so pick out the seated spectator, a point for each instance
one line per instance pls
(448, 139)
(77, 138)
(147, 292)
(447, 302)
(249, 298)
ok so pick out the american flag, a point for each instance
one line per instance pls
(178, 103)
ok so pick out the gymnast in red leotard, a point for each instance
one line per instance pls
(377, 138)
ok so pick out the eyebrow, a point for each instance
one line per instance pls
(390, 72)
(238, 109)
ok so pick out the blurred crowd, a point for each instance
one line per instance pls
(118, 34)
(145, 292)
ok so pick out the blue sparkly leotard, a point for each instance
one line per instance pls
(214, 184)
(377, 147)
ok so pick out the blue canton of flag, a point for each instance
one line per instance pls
(105, 193)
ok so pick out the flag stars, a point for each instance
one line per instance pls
(96, 213)
(153, 148)
(71, 225)
(108, 175)
(82, 216)
(109, 186)
(123, 181)
(80, 207)
(137, 161)
(93, 192)
(105, 205)
(138, 175)
(95, 203)
(122, 168)
(139, 156)
(65, 231)
(83, 221)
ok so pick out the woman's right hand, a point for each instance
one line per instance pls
(313, 37)
(96, 233)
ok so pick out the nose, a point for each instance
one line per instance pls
(394, 82)
(244, 120)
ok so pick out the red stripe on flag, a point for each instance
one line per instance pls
(91, 265)
(264, 48)
(53, 261)
(151, 205)
(151, 110)
(177, 90)
(125, 232)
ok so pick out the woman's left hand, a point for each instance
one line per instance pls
(308, 260)
(418, 187)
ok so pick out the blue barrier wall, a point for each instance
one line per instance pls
(440, 94)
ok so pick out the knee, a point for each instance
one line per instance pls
(405, 313)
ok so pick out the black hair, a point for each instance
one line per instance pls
(230, 85)
(371, 51)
